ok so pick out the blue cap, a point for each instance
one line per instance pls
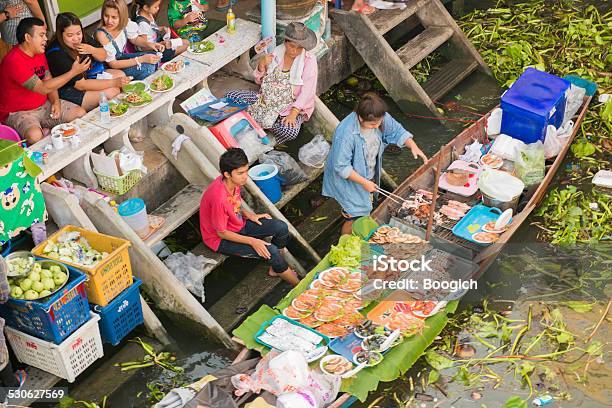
(131, 207)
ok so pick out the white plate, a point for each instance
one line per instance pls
(492, 166)
(435, 310)
(481, 241)
(333, 356)
(62, 126)
(163, 67)
(165, 90)
(492, 230)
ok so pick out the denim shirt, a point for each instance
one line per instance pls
(348, 154)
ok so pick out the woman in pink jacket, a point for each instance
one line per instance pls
(288, 79)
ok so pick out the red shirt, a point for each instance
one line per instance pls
(219, 211)
(16, 69)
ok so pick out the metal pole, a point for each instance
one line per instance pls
(268, 21)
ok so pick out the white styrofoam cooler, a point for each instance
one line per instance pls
(66, 360)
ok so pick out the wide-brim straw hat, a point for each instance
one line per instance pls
(301, 35)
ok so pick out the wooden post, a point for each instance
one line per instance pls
(432, 209)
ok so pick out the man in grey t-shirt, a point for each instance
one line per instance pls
(12, 12)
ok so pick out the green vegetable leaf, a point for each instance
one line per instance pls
(433, 377)
(580, 307)
(583, 149)
(595, 348)
(515, 402)
(606, 110)
(347, 253)
(565, 337)
(438, 361)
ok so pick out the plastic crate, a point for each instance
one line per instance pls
(110, 276)
(121, 316)
(534, 101)
(119, 185)
(66, 360)
(57, 317)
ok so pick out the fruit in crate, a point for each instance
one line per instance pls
(16, 292)
(72, 247)
(48, 283)
(30, 295)
(20, 266)
(25, 284)
(34, 276)
(39, 283)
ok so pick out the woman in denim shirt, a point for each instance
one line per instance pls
(353, 168)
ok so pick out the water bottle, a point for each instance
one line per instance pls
(231, 21)
(104, 109)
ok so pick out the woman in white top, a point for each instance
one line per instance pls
(118, 35)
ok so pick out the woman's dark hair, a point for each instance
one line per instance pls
(139, 4)
(62, 22)
(25, 26)
(232, 159)
(371, 107)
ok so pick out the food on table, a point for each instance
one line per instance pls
(354, 304)
(348, 251)
(138, 98)
(118, 109)
(369, 328)
(134, 87)
(349, 320)
(333, 330)
(454, 210)
(407, 323)
(485, 237)
(492, 160)
(374, 342)
(283, 335)
(174, 66)
(280, 327)
(336, 365)
(39, 283)
(333, 277)
(351, 285)
(389, 235)
(162, 83)
(67, 129)
(310, 321)
(490, 227)
(292, 313)
(305, 302)
(201, 47)
(328, 312)
(20, 266)
(72, 247)
(317, 284)
(457, 178)
(371, 357)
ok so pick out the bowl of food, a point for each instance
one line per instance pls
(174, 67)
(371, 358)
(118, 108)
(335, 365)
(65, 130)
(44, 278)
(19, 263)
(492, 161)
(373, 343)
(200, 47)
(135, 87)
(138, 99)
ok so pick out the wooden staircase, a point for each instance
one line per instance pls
(392, 68)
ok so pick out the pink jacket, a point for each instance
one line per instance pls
(304, 95)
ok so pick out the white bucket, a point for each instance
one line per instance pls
(134, 213)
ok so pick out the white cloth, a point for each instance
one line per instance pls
(297, 68)
(178, 142)
(130, 32)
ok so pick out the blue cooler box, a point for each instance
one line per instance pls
(536, 100)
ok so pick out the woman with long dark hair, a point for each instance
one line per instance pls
(69, 44)
(353, 168)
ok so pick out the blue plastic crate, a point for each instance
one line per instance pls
(534, 101)
(57, 317)
(121, 316)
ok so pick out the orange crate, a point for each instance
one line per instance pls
(110, 276)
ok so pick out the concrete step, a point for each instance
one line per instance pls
(37, 380)
(415, 50)
(313, 230)
(176, 211)
(162, 180)
(290, 193)
(449, 76)
(241, 299)
(386, 20)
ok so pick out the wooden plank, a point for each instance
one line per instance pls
(448, 77)
(415, 50)
(203, 250)
(313, 230)
(244, 297)
(290, 193)
(176, 211)
(386, 20)
(384, 62)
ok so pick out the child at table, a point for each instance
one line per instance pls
(182, 13)
(143, 14)
(118, 35)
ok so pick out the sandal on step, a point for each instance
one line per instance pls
(366, 9)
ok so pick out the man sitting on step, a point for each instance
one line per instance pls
(230, 230)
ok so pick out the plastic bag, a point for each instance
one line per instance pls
(314, 153)
(249, 141)
(189, 270)
(290, 171)
(574, 97)
(505, 146)
(500, 185)
(529, 163)
(277, 373)
(494, 122)
(130, 160)
(557, 138)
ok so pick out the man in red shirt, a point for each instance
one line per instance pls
(29, 100)
(228, 229)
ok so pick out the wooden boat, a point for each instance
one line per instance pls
(424, 178)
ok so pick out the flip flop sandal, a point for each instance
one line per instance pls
(366, 9)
